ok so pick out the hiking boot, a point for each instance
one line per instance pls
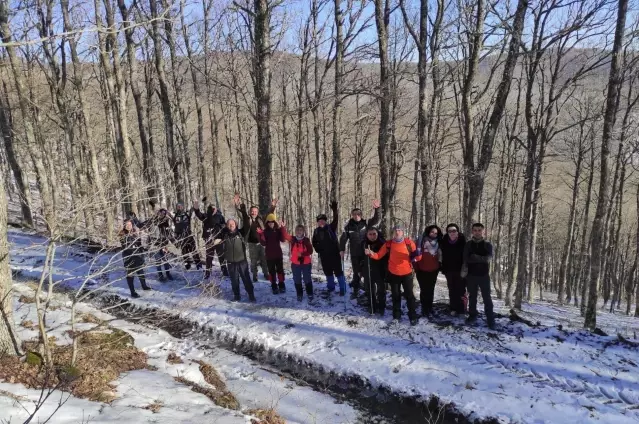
(146, 288)
(471, 319)
(198, 267)
(169, 276)
(275, 289)
(207, 274)
(491, 325)
(187, 266)
(414, 321)
(282, 288)
(236, 298)
(299, 297)
(252, 298)
(354, 295)
(255, 278)
(134, 295)
(161, 276)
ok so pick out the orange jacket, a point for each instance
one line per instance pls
(399, 262)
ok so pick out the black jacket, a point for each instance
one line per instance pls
(452, 254)
(182, 223)
(132, 250)
(379, 268)
(212, 223)
(477, 257)
(254, 224)
(325, 240)
(355, 232)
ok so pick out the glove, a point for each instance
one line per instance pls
(243, 207)
(333, 205)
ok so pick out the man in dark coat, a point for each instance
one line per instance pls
(212, 225)
(184, 239)
(374, 272)
(354, 233)
(159, 228)
(477, 256)
(257, 254)
(133, 256)
(232, 239)
(326, 245)
(452, 247)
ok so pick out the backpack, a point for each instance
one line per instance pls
(389, 244)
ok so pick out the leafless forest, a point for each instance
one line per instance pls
(521, 114)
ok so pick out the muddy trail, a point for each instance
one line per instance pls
(376, 404)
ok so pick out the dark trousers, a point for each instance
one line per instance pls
(427, 281)
(397, 282)
(456, 291)
(237, 271)
(211, 251)
(302, 273)
(375, 287)
(332, 265)
(276, 270)
(161, 257)
(476, 283)
(356, 264)
(189, 249)
(130, 275)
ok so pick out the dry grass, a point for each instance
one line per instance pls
(173, 358)
(102, 357)
(26, 299)
(90, 319)
(219, 394)
(154, 407)
(28, 324)
(265, 416)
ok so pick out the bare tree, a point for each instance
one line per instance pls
(615, 81)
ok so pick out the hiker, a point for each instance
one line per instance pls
(184, 239)
(233, 241)
(452, 247)
(326, 245)
(477, 256)
(354, 233)
(161, 236)
(402, 253)
(133, 256)
(257, 253)
(427, 268)
(212, 225)
(270, 238)
(374, 272)
(301, 251)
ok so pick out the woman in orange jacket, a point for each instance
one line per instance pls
(402, 253)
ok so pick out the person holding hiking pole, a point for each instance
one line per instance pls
(374, 272)
(402, 253)
(354, 233)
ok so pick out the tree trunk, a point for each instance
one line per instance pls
(9, 342)
(612, 100)
(21, 177)
(262, 88)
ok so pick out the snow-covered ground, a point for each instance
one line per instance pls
(254, 387)
(519, 374)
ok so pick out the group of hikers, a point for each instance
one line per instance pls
(379, 263)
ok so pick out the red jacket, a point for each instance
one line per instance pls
(301, 248)
(271, 238)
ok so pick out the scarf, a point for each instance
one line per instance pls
(431, 246)
(299, 238)
(398, 240)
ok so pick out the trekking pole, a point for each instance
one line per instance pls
(370, 282)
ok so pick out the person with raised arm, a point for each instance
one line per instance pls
(326, 244)
(354, 233)
(270, 238)
(133, 256)
(257, 254)
(212, 225)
